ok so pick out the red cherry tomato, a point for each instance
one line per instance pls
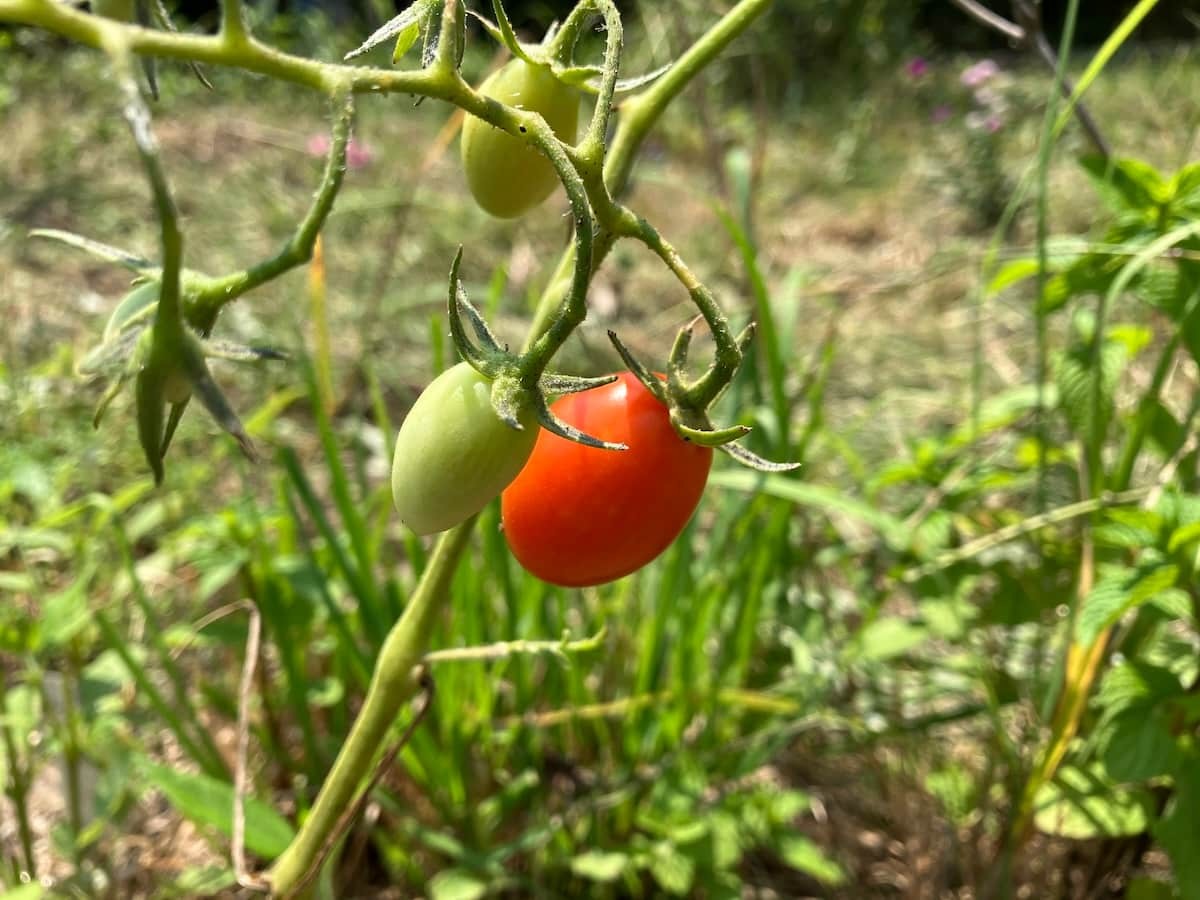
(579, 516)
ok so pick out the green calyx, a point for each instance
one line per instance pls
(689, 408)
(518, 383)
(164, 380)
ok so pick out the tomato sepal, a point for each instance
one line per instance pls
(644, 375)
(555, 425)
(752, 460)
(514, 388)
(558, 385)
(708, 437)
(689, 418)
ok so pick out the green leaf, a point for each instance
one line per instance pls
(888, 638)
(1135, 682)
(803, 855)
(203, 881)
(207, 801)
(1175, 603)
(66, 614)
(1140, 746)
(456, 884)
(1116, 595)
(786, 805)
(1075, 380)
(405, 40)
(725, 837)
(1177, 831)
(674, 872)
(1183, 536)
(1011, 273)
(597, 865)
(1185, 188)
(1127, 185)
(1082, 804)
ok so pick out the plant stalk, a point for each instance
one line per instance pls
(392, 685)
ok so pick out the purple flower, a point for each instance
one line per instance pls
(980, 73)
(941, 114)
(917, 67)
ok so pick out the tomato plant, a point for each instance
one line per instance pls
(577, 515)
(506, 175)
(453, 454)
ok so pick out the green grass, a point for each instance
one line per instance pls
(809, 692)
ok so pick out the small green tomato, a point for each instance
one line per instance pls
(506, 174)
(453, 454)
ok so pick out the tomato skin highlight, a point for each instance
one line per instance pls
(579, 516)
(506, 174)
(453, 454)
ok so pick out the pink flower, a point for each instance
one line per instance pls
(917, 67)
(983, 71)
(941, 114)
(358, 154)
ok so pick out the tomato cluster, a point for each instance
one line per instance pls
(575, 515)
(578, 515)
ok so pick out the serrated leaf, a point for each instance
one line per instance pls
(456, 884)
(1174, 603)
(1127, 185)
(1075, 379)
(1139, 746)
(209, 802)
(598, 865)
(1117, 594)
(1135, 682)
(1082, 805)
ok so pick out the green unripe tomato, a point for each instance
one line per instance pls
(453, 454)
(506, 174)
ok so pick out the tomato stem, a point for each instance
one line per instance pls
(392, 685)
